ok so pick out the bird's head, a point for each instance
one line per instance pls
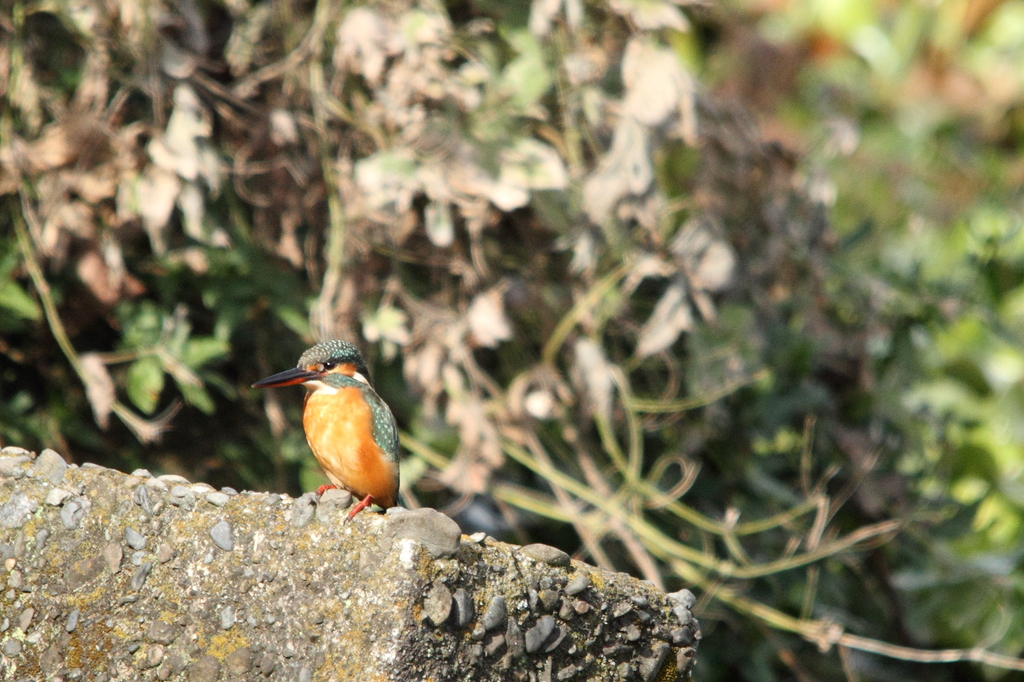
(318, 364)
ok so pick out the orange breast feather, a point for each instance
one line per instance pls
(338, 429)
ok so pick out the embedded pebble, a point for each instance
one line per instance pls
(567, 672)
(547, 554)
(682, 601)
(206, 669)
(157, 484)
(57, 496)
(140, 575)
(303, 510)
(25, 619)
(41, 537)
(614, 649)
(652, 659)
(437, 605)
(581, 607)
(112, 555)
(429, 527)
(50, 466)
(464, 610)
(566, 612)
(227, 617)
(539, 633)
(72, 622)
(71, 514)
(11, 450)
(12, 647)
(548, 599)
(683, 597)
(174, 479)
(142, 473)
(331, 503)
(239, 661)
(479, 537)
(140, 496)
(134, 538)
(16, 512)
(632, 632)
(496, 643)
(223, 536)
(685, 660)
(164, 553)
(229, 491)
(154, 655)
(621, 609)
(182, 497)
(11, 467)
(161, 632)
(683, 636)
(514, 640)
(217, 499)
(495, 614)
(555, 640)
(341, 498)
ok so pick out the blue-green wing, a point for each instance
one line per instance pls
(385, 430)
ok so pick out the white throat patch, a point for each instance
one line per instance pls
(317, 386)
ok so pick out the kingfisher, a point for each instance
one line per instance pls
(351, 431)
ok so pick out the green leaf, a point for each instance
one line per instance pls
(526, 78)
(143, 324)
(16, 300)
(200, 350)
(293, 319)
(145, 383)
(196, 396)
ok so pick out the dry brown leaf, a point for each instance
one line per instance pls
(93, 272)
(25, 96)
(658, 88)
(51, 150)
(99, 387)
(625, 170)
(93, 89)
(487, 320)
(365, 41)
(542, 14)
(283, 128)
(671, 316)
(651, 15)
(592, 374)
(155, 194)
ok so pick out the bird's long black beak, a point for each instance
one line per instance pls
(289, 377)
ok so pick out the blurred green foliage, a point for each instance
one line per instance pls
(728, 296)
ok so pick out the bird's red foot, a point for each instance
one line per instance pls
(320, 491)
(360, 506)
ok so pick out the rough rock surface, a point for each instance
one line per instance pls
(122, 577)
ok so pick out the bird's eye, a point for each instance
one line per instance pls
(328, 366)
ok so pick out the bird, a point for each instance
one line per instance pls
(349, 428)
